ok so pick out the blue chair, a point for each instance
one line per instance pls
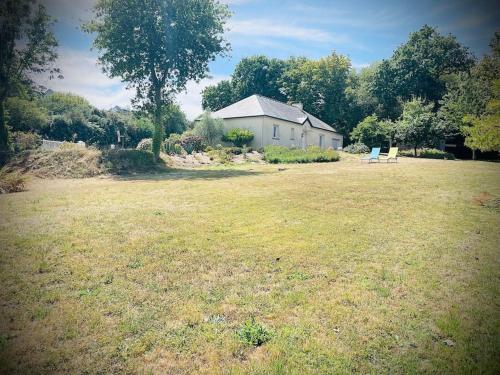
(374, 155)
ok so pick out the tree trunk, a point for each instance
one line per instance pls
(4, 132)
(473, 154)
(415, 150)
(158, 133)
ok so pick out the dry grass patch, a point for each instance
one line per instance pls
(348, 267)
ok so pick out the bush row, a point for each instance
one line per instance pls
(428, 153)
(312, 154)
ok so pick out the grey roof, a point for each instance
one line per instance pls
(258, 105)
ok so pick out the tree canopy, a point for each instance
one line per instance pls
(158, 46)
(27, 47)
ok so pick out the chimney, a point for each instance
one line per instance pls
(298, 105)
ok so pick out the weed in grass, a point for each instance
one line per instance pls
(253, 333)
(39, 313)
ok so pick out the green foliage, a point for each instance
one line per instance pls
(145, 144)
(370, 132)
(174, 120)
(27, 46)
(124, 161)
(172, 144)
(357, 148)
(259, 75)
(11, 182)
(416, 123)
(25, 115)
(428, 153)
(128, 33)
(61, 103)
(483, 133)
(209, 128)
(192, 143)
(253, 333)
(23, 141)
(215, 97)
(327, 78)
(238, 137)
(311, 154)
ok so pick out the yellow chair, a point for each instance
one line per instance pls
(391, 156)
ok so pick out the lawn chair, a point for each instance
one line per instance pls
(391, 156)
(373, 155)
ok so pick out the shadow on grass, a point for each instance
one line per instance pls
(187, 174)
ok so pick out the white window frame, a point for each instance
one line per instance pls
(321, 140)
(292, 134)
(276, 131)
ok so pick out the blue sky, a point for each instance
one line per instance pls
(364, 30)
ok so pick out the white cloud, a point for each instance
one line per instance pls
(190, 100)
(84, 77)
(273, 29)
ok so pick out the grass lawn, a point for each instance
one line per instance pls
(352, 268)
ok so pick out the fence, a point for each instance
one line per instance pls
(56, 145)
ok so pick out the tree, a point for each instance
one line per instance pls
(259, 75)
(174, 120)
(385, 89)
(416, 122)
(26, 115)
(215, 97)
(370, 132)
(27, 47)
(468, 94)
(483, 133)
(320, 85)
(157, 46)
(422, 63)
(209, 128)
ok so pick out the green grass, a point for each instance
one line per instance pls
(312, 154)
(330, 268)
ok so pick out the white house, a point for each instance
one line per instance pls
(277, 123)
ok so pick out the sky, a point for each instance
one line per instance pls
(366, 31)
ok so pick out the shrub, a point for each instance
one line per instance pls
(428, 153)
(128, 160)
(25, 141)
(11, 182)
(192, 143)
(172, 144)
(145, 144)
(209, 128)
(357, 148)
(238, 137)
(253, 333)
(312, 154)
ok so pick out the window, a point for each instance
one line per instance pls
(292, 134)
(335, 143)
(321, 140)
(276, 132)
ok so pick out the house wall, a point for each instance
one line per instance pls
(254, 124)
(262, 127)
(310, 138)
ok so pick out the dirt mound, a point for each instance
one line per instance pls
(73, 163)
